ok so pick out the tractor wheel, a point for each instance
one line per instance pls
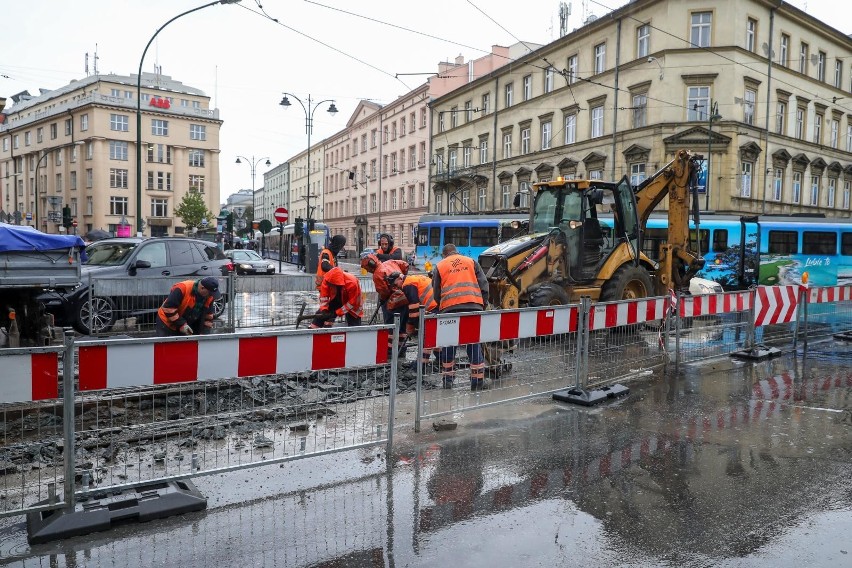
(628, 283)
(548, 295)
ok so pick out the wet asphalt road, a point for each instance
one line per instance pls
(725, 464)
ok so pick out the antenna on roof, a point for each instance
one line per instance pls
(87, 64)
(96, 59)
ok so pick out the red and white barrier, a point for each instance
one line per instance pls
(776, 304)
(129, 363)
(29, 376)
(448, 330)
(829, 294)
(617, 314)
(715, 304)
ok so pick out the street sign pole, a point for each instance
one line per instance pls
(280, 244)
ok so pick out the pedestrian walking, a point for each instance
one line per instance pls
(387, 250)
(459, 285)
(328, 257)
(339, 295)
(188, 309)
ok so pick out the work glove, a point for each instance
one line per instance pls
(397, 299)
(185, 329)
(340, 312)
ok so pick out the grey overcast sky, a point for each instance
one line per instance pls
(244, 60)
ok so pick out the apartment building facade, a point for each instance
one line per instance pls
(760, 87)
(76, 146)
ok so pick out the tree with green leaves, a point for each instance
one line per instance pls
(192, 209)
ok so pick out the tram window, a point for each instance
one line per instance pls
(720, 240)
(483, 236)
(705, 239)
(459, 236)
(652, 240)
(819, 242)
(846, 244)
(507, 232)
(422, 236)
(435, 236)
(783, 242)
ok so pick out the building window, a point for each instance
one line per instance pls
(815, 190)
(28, 138)
(600, 58)
(548, 79)
(778, 184)
(797, 187)
(745, 180)
(507, 193)
(441, 126)
(697, 103)
(597, 121)
(161, 153)
(196, 183)
(507, 145)
(117, 150)
(781, 113)
(117, 122)
(90, 177)
(486, 103)
(803, 58)
(508, 98)
(196, 132)
(849, 137)
(412, 157)
(422, 118)
(525, 140)
(546, 135)
(57, 158)
(572, 69)
(481, 200)
(785, 50)
(159, 127)
(847, 190)
(40, 135)
(700, 29)
(159, 208)
(751, 30)
(640, 107)
(570, 128)
(821, 66)
(90, 150)
(832, 189)
(483, 151)
(84, 122)
(454, 118)
(800, 123)
(595, 174)
(58, 184)
(68, 126)
(527, 83)
(423, 153)
(838, 73)
(643, 41)
(833, 133)
(393, 130)
(53, 128)
(118, 206)
(196, 158)
(118, 178)
(818, 118)
(637, 174)
(161, 181)
(748, 106)
(466, 155)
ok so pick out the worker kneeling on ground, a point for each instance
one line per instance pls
(459, 285)
(339, 295)
(417, 291)
(188, 309)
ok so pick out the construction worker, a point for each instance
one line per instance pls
(417, 289)
(340, 295)
(459, 285)
(387, 250)
(381, 270)
(188, 309)
(328, 257)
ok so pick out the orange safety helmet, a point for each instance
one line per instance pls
(369, 261)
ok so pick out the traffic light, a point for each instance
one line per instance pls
(311, 225)
(229, 222)
(66, 217)
(300, 226)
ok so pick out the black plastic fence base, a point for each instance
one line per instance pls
(757, 353)
(844, 336)
(590, 398)
(101, 512)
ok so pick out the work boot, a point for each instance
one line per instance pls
(479, 384)
(448, 382)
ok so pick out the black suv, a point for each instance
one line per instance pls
(131, 277)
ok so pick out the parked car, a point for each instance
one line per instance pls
(131, 277)
(249, 262)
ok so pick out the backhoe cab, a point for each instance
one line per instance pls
(586, 240)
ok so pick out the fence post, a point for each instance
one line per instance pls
(582, 368)
(804, 299)
(421, 326)
(392, 397)
(750, 339)
(91, 294)
(69, 454)
(232, 294)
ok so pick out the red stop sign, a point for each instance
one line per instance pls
(281, 214)
(74, 223)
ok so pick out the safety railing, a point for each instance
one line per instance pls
(712, 325)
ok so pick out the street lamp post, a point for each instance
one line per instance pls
(253, 165)
(139, 109)
(309, 126)
(711, 116)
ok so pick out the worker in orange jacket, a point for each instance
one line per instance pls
(417, 291)
(340, 295)
(188, 309)
(328, 257)
(459, 285)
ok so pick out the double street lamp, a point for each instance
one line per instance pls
(253, 165)
(139, 108)
(309, 109)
